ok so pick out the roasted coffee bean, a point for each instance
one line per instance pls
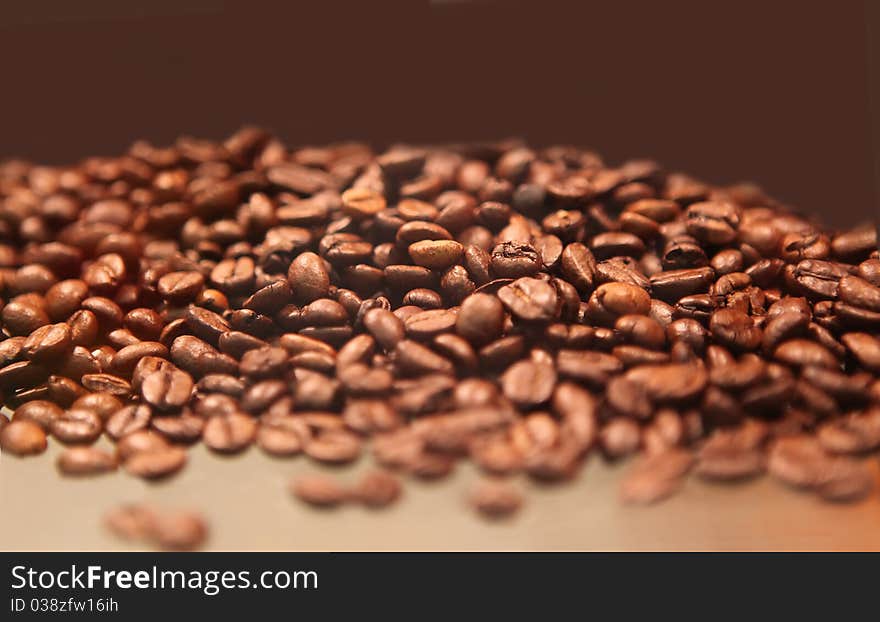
(414, 358)
(128, 420)
(735, 329)
(182, 428)
(530, 299)
(480, 319)
(628, 398)
(85, 461)
(612, 300)
(857, 432)
(131, 522)
(102, 404)
(579, 267)
(713, 222)
(319, 490)
(180, 287)
(199, 358)
(40, 412)
(727, 455)
(427, 324)
(308, 278)
(48, 343)
(798, 461)
(107, 383)
(65, 297)
(126, 359)
(77, 426)
(670, 383)
(514, 260)
(435, 254)
(796, 246)
(156, 463)
(673, 285)
(180, 531)
(801, 352)
(846, 481)
(815, 279)
(656, 477)
(145, 324)
(859, 293)
(334, 447)
(282, 436)
(865, 348)
(23, 438)
(229, 433)
(168, 389)
(377, 489)
(21, 318)
(264, 362)
(528, 383)
(622, 270)
(495, 499)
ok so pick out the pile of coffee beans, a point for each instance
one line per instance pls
(522, 308)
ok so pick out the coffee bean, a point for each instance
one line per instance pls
(229, 433)
(65, 297)
(480, 319)
(181, 531)
(362, 203)
(128, 420)
(735, 330)
(612, 300)
(23, 438)
(377, 489)
(180, 287)
(40, 412)
(21, 318)
(183, 428)
(530, 299)
(127, 358)
(435, 254)
(199, 358)
(319, 490)
(85, 461)
(801, 352)
(495, 499)
(131, 522)
(334, 447)
(865, 348)
(264, 362)
(308, 278)
(514, 260)
(167, 389)
(529, 384)
(414, 358)
(673, 382)
(656, 477)
(77, 426)
(156, 463)
(107, 383)
(282, 436)
(47, 343)
(798, 461)
(713, 222)
(673, 285)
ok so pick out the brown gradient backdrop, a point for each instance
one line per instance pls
(770, 91)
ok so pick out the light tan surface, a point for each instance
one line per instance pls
(245, 498)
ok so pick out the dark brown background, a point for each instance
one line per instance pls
(770, 91)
